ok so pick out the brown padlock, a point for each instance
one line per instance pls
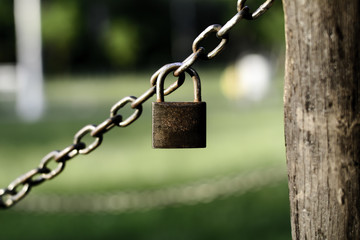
(179, 124)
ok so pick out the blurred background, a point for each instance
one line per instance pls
(65, 63)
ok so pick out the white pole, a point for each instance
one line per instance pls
(30, 96)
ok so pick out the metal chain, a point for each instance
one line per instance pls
(22, 185)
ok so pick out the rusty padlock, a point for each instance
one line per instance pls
(178, 124)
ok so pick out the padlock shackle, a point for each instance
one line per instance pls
(171, 67)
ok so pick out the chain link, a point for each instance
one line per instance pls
(242, 14)
(205, 34)
(22, 185)
(50, 174)
(259, 11)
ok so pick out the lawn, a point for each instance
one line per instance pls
(234, 189)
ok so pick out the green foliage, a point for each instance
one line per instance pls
(59, 24)
(271, 29)
(60, 27)
(121, 42)
(94, 35)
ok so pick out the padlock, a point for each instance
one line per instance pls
(179, 124)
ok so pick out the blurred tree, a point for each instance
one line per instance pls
(59, 29)
(97, 35)
(121, 43)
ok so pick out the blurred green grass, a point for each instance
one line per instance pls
(241, 138)
(261, 214)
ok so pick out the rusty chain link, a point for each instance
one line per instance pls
(22, 185)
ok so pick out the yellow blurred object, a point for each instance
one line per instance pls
(229, 84)
(248, 78)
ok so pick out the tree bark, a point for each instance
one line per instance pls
(322, 117)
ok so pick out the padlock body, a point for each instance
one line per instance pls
(179, 124)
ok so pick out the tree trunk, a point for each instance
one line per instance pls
(322, 117)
